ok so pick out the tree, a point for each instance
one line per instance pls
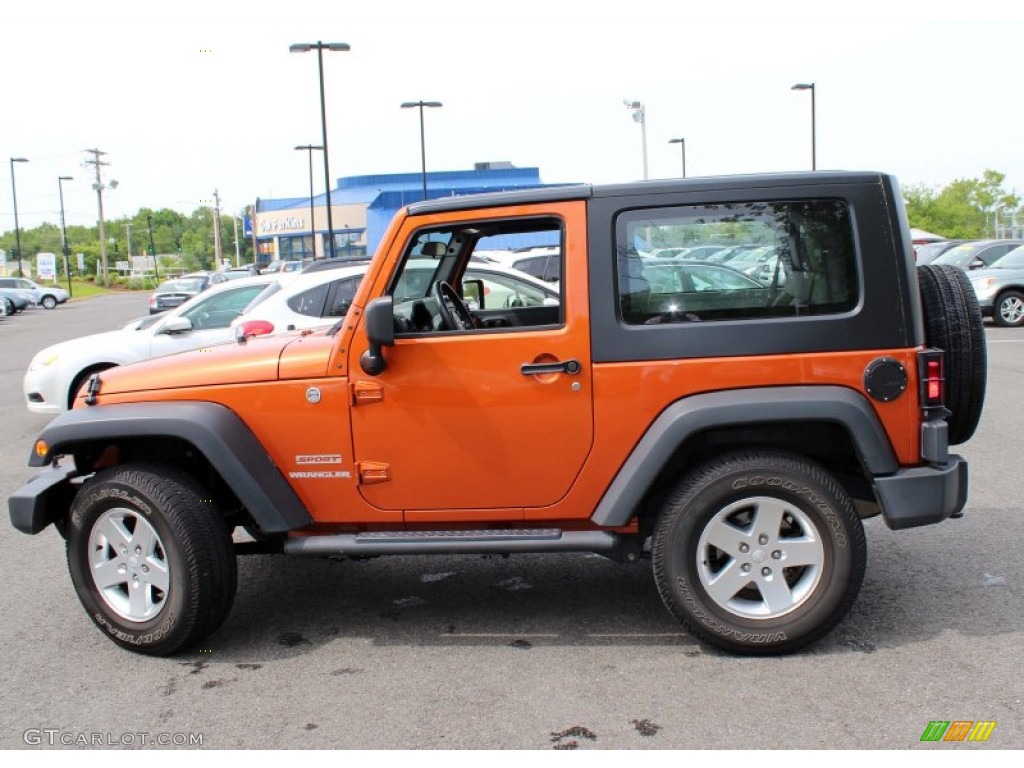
(964, 209)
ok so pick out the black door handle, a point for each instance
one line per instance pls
(571, 366)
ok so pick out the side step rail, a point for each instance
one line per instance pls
(453, 542)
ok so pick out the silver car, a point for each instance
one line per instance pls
(1000, 289)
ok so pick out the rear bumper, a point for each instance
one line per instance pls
(923, 495)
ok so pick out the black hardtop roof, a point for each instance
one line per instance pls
(557, 193)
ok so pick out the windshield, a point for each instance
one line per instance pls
(263, 295)
(1013, 260)
(957, 256)
(183, 285)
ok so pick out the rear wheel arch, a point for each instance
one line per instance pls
(832, 426)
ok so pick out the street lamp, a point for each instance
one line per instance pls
(319, 47)
(639, 114)
(814, 137)
(14, 194)
(423, 145)
(152, 248)
(312, 230)
(682, 143)
(64, 230)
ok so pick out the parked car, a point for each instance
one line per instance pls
(978, 254)
(14, 301)
(233, 273)
(57, 373)
(173, 293)
(283, 266)
(926, 253)
(46, 296)
(319, 297)
(543, 263)
(1000, 289)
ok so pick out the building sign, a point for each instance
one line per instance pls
(46, 266)
(142, 264)
(268, 226)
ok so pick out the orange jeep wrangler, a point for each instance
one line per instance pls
(732, 416)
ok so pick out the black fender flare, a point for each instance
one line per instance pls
(214, 430)
(737, 407)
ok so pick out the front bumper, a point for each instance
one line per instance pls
(36, 504)
(923, 495)
(41, 389)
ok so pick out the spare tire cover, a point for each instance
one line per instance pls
(953, 323)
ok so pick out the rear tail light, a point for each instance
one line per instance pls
(932, 376)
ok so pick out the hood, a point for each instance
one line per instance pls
(111, 341)
(230, 363)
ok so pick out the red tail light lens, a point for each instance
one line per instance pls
(933, 381)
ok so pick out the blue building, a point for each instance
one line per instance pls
(363, 206)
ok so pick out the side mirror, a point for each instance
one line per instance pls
(177, 325)
(380, 331)
(976, 263)
(473, 293)
(249, 329)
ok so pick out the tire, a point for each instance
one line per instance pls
(1009, 309)
(953, 323)
(735, 518)
(150, 526)
(49, 302)
(8, 307)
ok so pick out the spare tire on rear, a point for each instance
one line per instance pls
(953, 323)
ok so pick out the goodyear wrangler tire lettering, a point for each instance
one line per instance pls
(150, 558)
(758, 552)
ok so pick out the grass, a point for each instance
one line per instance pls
(81, 289)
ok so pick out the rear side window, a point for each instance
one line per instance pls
(797, 258)
(311, 302)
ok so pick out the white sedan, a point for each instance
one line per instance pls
(57, 372)
(318, 296)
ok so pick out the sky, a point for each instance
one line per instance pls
(187, 98)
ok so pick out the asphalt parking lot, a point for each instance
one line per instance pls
(526, 652)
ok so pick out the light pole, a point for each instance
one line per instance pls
(682, 143)
(312, 229)
(17, 231)
(423, 143)
(814, 136)
(639, 114)
(152, 248)
(64, 230)
(319, 47)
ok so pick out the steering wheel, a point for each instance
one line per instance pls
(455, 314)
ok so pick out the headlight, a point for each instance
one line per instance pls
(43, 360)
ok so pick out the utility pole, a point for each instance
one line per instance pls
(152, 248)
(128, 228)
(238, 250)
(218, 251)
(96, 163)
